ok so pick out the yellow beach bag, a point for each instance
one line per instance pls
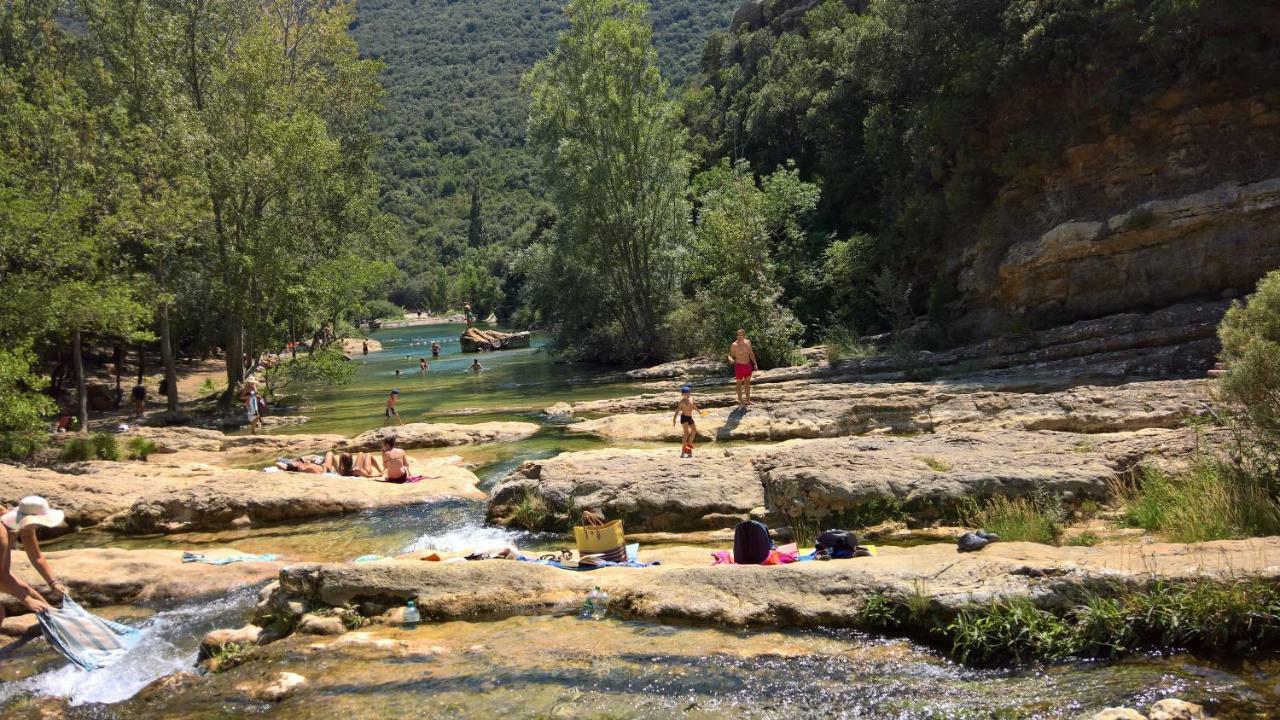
(607, 539)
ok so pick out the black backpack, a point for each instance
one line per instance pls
(751, 543)
(839, 544)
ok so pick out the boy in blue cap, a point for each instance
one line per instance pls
(391, 411)
(684, 411)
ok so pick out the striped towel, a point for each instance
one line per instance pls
(86, 640)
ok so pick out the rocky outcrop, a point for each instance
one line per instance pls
(1178, 341)
(814, 410)
(432, 435)
(178, 439)
(157, 497)
(98, 577)
(1159, 249)
(686, 586)
(651, 489)
(920, 478)
(475, 340)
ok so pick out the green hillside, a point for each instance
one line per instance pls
(454, 169)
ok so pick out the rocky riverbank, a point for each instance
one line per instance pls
(156, 497)
(919, 478)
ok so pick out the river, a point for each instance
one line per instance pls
(556, 665)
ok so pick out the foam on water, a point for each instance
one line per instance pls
(466, 537)
(170, 640)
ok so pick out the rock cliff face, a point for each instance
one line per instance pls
(1178, 201)
(1183, 203)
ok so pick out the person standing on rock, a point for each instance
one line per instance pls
(743, 358)
(364, 347)
(139, 394)
(390, 411)
(684, 411)
(466, 310)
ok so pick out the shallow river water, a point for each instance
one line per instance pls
(556, 665)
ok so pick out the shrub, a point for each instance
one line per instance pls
(1210, 501)
(105, 446)
(379, 309)
(843, 342)
(229, 656)
(140, 448)
(1250, 335)
(1088, 538)
(22, 406)
(1037, 519)
(77, 449)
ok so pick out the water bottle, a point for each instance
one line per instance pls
(411, 616)
(601, 605)
(589, 607)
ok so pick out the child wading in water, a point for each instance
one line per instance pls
(391, 411)
(684, 411)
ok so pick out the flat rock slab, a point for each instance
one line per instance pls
(816, 410)
(802, 595)
(99, 577)
(431, 435)
(923, 476)
(157, 497)
(651, 489)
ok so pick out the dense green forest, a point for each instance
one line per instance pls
(455, 170)
(194, 176)
(868, 139)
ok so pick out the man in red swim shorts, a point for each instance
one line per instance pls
(743, 357)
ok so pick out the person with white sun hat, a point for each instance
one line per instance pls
(20, 525)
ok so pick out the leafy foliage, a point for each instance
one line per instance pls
(910, 115)
(1028, 519)
(1250, 335)
(455, 169)
(22, 406)
(1212, 500)
(615, 166)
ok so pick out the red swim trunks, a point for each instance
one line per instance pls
(741, 371)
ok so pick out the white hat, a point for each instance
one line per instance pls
(32, 510)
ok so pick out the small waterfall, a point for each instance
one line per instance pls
(170, 640)
(472, 535)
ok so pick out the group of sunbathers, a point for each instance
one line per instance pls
(391, 466)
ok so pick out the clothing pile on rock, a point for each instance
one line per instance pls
(975, 541)
(753, 546)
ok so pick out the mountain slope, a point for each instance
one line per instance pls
(454, 118)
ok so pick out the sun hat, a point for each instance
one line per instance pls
(32, 510)
(395, 391)
(685, 388)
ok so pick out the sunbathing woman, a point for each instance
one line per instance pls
(363, 465)
(312, 464)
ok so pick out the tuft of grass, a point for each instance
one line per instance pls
(77, 449)
(1139, 219)
(530, 512)
(140, 448)
(1209, 501)
(1009, 631)
(229, 656)
(845, 343)
(1088, 538)
(1037, 519)
(934, 464)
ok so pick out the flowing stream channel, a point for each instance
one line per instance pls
(557, 665)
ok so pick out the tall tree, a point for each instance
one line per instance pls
(614, 160)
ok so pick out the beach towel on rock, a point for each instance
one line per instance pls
(86, 640)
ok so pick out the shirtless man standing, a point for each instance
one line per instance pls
(743, 357)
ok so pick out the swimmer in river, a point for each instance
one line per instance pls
(476, 366)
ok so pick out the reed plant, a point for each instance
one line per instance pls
(1028, 519)
(1211, 500)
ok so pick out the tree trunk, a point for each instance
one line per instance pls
(166, 355)
(142, 361)
(235, 359)
(82, 395)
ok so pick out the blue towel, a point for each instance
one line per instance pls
(603, 564)
(86, 640)
(189, 557)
